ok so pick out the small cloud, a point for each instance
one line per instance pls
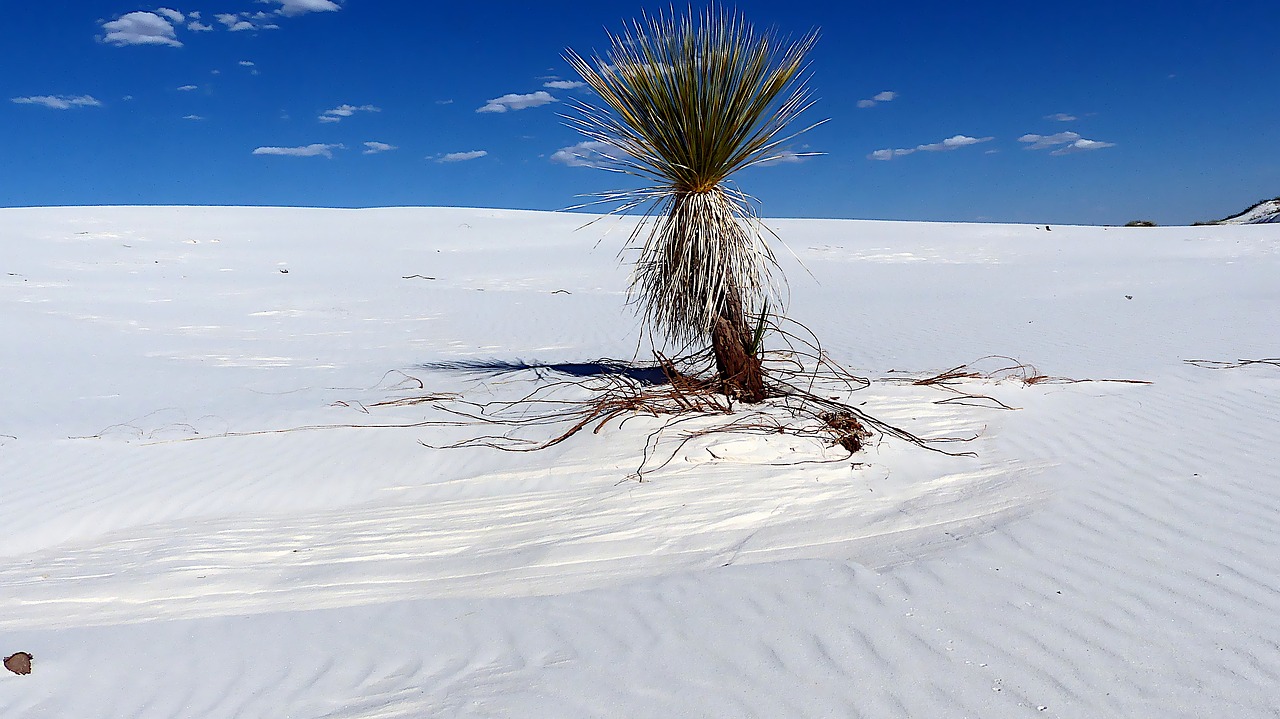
(140, 28)
(188, 88)
(788, 157)
(444, 102)
(373, 148)
(343, 111)
(246, 63)
(313, 150)
(235, 23)
(564, 84)
(1082, 145)
(290, 8)
(886, 96)
(1062, 143)
(1044, 142)
(192, 117)
(514, 101)
(459, 156)
(590, 153)
(1061, 117)
(951, 143)
(889, 154)
(59, 102)
(173, 15)
(197, 26)
(245, 21)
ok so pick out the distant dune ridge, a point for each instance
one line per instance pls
(1265, 212)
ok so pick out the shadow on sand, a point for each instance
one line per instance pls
(649, 375)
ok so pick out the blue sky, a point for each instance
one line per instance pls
(1091, 113)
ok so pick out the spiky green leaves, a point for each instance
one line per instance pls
(686, 103)
(689, 102)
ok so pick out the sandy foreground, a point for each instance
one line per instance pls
(207, 512)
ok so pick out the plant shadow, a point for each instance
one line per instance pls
(648, 375)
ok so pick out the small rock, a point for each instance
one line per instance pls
(19, 663)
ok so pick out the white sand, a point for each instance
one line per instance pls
(1112, 551)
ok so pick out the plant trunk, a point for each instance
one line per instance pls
(741, 374)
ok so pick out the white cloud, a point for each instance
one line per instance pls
(188, 88)
(246, 63)
(1064, 143)
(886, 96)
(889, 154)
(197, 26)
(513, 101)
(1082, 145)
(951, 143)
(59, 102)
(243, 21)
(787, 157)
(1061, 117)
(444, 102)
(564, 84)
(373, 148)
(235, 23)
(192, 117)
(341, 111)
(301, 7)
(140, 28)
(590, 153)
(1044, 142)
(460, 156)
(173, 15)
(313, 150)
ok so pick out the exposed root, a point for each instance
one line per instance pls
(807, 396)
(1219, 364)
(1007, 369)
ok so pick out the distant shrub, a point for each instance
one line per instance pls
(1140, 223)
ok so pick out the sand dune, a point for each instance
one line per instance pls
(170, 551)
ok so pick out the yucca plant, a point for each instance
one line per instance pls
(685, 104)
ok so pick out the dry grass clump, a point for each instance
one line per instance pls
(846, 430)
